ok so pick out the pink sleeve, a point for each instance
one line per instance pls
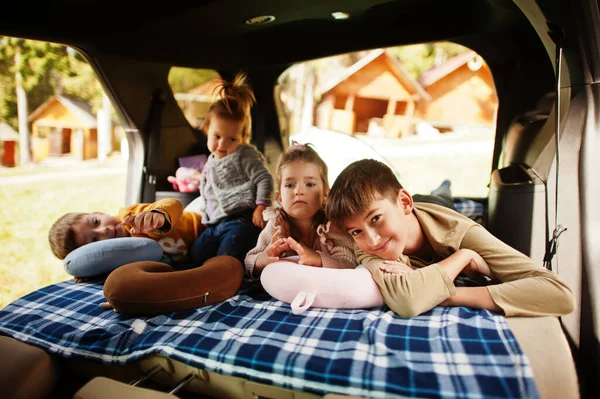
(336, 250)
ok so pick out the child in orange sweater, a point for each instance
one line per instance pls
(164, 221)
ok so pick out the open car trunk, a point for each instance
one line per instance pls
(57, 339)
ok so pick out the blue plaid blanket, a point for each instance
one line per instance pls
(471, 209)
(444, 353)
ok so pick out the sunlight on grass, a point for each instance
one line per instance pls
(28, 211)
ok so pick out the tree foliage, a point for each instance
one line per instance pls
(182, 80)
(49, 69)
(419, 58)
(8, 99)
(79, 80)
(46, 69)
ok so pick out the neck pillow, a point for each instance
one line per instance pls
(101, 257)
(150, 288)
(306, 286)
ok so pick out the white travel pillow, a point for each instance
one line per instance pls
(101, 257)
(306, 286)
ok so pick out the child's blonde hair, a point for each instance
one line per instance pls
(236, 98)
(304, 153)
(359, 184)
(62, 235)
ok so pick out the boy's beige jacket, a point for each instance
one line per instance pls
(527, 289)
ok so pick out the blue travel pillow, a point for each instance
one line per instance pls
(104, 256)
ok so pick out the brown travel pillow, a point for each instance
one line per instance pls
(150, 288)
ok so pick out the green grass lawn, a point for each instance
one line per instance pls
(28, 210)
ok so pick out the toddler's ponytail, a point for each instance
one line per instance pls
(235, 99)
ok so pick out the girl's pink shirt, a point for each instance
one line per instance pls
(334, 246)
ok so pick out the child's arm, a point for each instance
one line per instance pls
(391, 266)
(409, 294)
(467, 261)
(146, 222)
(257, 217)
(308, 256)
(267, 250)
(258, 174)
(473, 297)
(171, 208)
(526, 289)
(463, 260)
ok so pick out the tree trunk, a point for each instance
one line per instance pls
(298, 99)
(22, 113)
(308, 104)
(104, 129)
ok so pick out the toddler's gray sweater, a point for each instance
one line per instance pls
(234, 183)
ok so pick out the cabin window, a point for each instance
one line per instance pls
(427, 110)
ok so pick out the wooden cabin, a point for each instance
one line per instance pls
(196, 102)
(64, 126)
(376, 96)
(462, 92)
(8, 139)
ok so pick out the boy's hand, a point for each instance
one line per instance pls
(393, 267)
(144, 222)
(308, 256)
(257, 216)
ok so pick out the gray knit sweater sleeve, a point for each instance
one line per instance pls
(253, 163)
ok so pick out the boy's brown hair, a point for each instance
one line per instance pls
(62, 236)
(359, 184)
(236, 100)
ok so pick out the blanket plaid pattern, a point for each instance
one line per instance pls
(444, 353)
(471, 209)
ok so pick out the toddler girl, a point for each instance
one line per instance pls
(300, 226)
(235, 186)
